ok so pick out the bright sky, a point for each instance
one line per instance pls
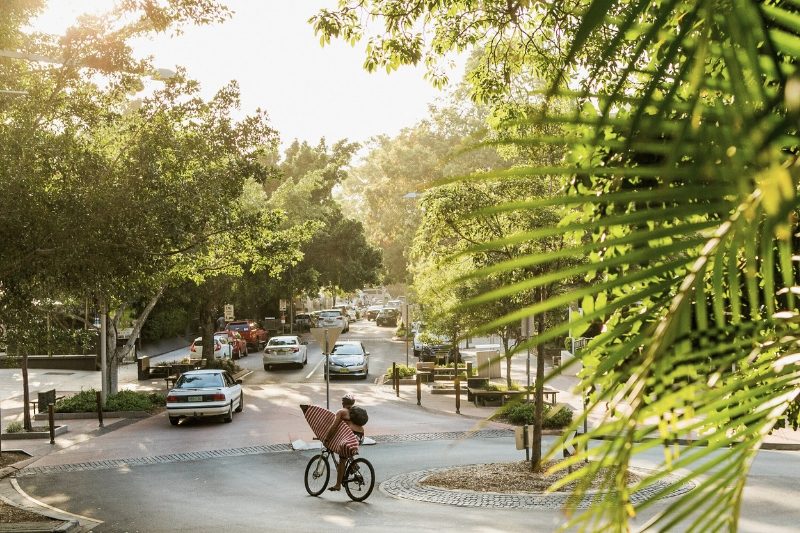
(270, 49)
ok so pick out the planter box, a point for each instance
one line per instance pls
(24, 435)
(86, 416)
(64, 362)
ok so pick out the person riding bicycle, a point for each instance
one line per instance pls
(343, 415)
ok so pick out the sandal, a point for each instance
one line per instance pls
(334, 488)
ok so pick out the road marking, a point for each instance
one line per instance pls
(315, 368)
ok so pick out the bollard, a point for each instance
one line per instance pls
(419, 390)
(394, 375)
(99, 399)
(525, 441)
(51, 418)
(397, 381)
(458, 395)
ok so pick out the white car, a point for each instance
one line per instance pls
(285, 349)
(333, 318)
(201, 393)
(223, 349)
(349, 358)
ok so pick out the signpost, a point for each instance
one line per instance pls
(228, 312)
(526, 331)
(326, 337)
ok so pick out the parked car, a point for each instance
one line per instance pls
(302, 321)
(285, 349)
(372, 311)
(333, 318)
(251, 331)
(201, 393)
(430, 347)
(237, 342)
(349, 358)
(222, 347)
(387, 317)
(394, 304)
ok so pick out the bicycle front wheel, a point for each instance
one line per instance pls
(359, 479)
(318, 473)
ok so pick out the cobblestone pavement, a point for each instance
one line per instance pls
(407, 486)
(247, 450)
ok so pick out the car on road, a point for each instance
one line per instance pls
(302, 321)
(283, 350)
(387, 317)
(372, 311)
(430, 347)
(333, 318)
(203, 393)
(348, 358)
(222, 347)
(251, 331)
(237, 342)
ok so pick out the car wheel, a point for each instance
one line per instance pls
(174, 420)
(266, 367)
(305, 360)
(241, 403)
(229, 417)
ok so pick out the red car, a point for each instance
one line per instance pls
(236, 341)
(254, 335)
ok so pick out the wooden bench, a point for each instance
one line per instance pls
(44, 398)
(145, 371)
(481, 396)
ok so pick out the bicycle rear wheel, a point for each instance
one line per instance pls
(359, 479)
(318, 472)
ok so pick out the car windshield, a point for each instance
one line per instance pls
(347, 349)
(330, 314)
(238, 327)
(198, 381)
(282, 342)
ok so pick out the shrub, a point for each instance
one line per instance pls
(126, 400)
(403, 371)
(495, 387)
(14, 427)
(224, 364)
(521, 413)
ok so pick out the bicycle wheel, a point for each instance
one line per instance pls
(359, 479)
(318, 472)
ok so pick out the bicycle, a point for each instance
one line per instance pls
(359, 476)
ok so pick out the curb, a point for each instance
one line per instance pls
(90, 415)
(65, 526)
(26, 435)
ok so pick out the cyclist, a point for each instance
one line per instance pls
(343, 415)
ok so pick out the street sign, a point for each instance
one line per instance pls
(228, 312)
(326, 337)
(283, 304)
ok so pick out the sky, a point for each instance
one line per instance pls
(269, 48)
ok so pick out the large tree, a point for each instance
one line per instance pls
(683, 167)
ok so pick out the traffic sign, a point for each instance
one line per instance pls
(228, 312)
(326, 337)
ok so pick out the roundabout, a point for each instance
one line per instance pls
(409, 486)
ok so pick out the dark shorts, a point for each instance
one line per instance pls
(360, 435)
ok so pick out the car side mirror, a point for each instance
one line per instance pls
(304, 342)
(239, 381)
(366, 353)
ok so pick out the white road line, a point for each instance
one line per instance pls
(321, 361)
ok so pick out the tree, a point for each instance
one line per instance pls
(683, 169)
(337, 257)
(411, 162)
(161, 178)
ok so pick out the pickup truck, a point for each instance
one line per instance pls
(254, 335)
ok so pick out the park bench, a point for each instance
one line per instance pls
(482, 396)
(145, 371)
(43, 399)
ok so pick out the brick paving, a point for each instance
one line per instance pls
(407, 486)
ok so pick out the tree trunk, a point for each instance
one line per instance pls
(26, 395)
(116, 354)
(207, 331)
(538, 414)
(504, 340)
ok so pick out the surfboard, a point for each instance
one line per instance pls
(344, 441)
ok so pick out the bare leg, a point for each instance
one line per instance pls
(339, 474)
